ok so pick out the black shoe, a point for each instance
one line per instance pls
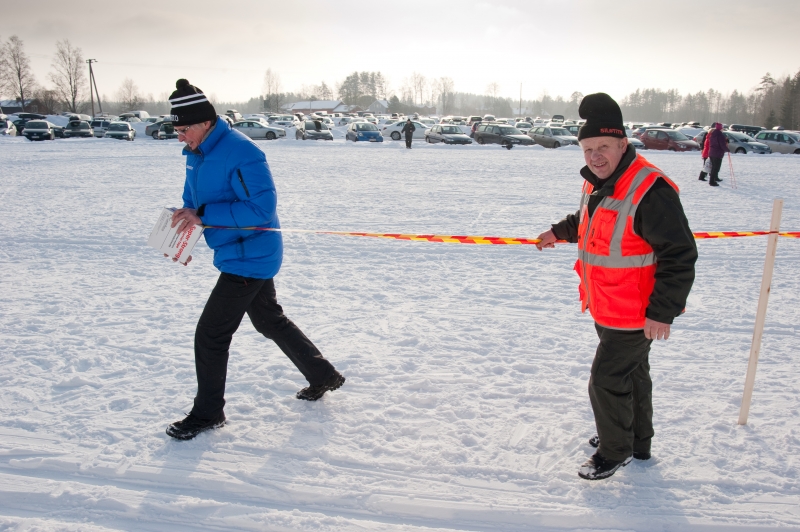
(594, 441)
(312, 393)
(713, 183)
(191, 426)
(702, 179)
(597, 467)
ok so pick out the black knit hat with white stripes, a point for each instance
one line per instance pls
(190, 105)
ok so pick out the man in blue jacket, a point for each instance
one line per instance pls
(229, 184)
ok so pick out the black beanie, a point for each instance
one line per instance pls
(190, 105)
(603, 117)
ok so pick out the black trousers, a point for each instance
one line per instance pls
(224, 310)
(716, 164)
(408, 140)
(621, 393)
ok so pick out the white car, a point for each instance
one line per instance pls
(523, 126)
(257, 130)
(8, 128)
(394, 130)
(428, 122)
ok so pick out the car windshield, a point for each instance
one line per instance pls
(557, 131)
(35, 125)
(451, 130)
(167, 127)
(318, 125)
(366, 127)
(118, 127)
(676, 135)
(523, 124)
(510, 131)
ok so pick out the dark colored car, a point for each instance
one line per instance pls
(573, 129)
(20, 125)
(668, 139)
(447, 134)
(639, 131)
(152, 129)
(120, 130)
(363, 131)
(505, 135)
(39, 130)
(78, 128)
(751, 131)
(166, 131)
(313, 130)
(31, 116)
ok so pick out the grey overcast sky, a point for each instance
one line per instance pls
(558, 46)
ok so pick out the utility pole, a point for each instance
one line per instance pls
(520, 101)
(93, 83)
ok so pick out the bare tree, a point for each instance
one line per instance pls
(128, 95)
(49, 101)
(418, 84)
(68, 75)
(273, 95)
(492, 89)
(446, 89)
(16, 75)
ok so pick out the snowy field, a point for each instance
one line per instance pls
(465, 406)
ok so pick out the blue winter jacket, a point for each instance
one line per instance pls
(228, 180)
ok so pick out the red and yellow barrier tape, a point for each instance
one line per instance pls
(488, 240)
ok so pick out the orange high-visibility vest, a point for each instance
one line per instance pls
(617, 267)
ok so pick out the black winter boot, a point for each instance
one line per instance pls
(594, 441)
(312, 393)
(191, 426)
(598, 468)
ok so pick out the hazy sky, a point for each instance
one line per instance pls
(559, 46)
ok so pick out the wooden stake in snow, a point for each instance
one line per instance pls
(761, 312)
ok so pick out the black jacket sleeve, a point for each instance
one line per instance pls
(567, 229)
(661, 222)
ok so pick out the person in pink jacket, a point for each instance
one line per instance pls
(717, 146)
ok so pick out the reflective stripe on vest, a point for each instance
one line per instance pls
(617, 266)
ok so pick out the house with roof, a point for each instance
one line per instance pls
(11, 107)
(379, 107)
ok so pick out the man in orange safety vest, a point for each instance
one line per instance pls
(636, 257)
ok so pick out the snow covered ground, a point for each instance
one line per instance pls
(465, 406)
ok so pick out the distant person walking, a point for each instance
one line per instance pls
(717, 148)
(408, 129)
(229, 184)
(704, 155)
(473, 129)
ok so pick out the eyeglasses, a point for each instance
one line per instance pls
(182, 130)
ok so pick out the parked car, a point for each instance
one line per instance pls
(473, 119)
(359, 131)
(447, 134)
(394, 130)
(668, 139)
(8, 128)
(639, 131)
(427, 122)
(636, 143)
(39, 130)
(742, 143)
(523, 126)
(312, 130)
(502, 134)
(573, 129)
(234, 115)
(31, 116)
(99, 127)
(751, 131)
(129, 117)
(780, 141)
(257, 130)
(78, 128)
(19, 124)
(167, 131)
(152, 129)
(120, 130)
(552, 137)
(152, 119)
